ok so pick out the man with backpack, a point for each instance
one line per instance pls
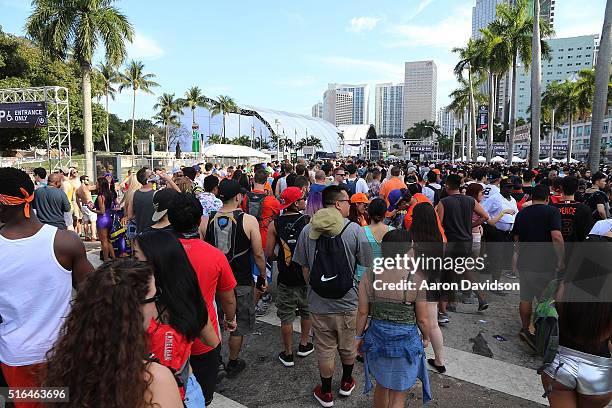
(597, 199)
(283, 234)
(265, 208)
(433, 189)
(328, 249)
(237, 235)
(354, 183)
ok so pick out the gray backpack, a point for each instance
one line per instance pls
(221, 232)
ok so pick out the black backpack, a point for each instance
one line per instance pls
(254, 204)
(436, 193)
(331, 275)
(288, 237)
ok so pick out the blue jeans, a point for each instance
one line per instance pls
(194, 398)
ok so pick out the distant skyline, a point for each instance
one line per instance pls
(282, 55)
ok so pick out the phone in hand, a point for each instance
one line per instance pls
(260, 283)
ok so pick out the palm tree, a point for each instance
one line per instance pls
(536, 87)
(168, 108)
(194, 98)
(463, 98)
(310, 141)
(470, 59)
(602, 92)
(77, 28)
(108, 76)
(215, 139)
(551, 101)
(498, 57)
(514, 24)
(134, 77)
(423, 130)
(573, 104)
(223, 105)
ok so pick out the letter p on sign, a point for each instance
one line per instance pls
(2, 115)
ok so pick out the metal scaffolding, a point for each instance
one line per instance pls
(58, 117)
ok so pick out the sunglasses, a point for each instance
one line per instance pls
(154, 298)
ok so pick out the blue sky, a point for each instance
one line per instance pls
(282, 54)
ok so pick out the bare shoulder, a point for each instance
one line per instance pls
(250, 221)
(68, 241)
(163, 388)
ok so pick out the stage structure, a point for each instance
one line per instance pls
(58, 117)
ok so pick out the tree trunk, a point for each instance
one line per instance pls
(491, 116)
(569, 136)
(536, 95)
(133, 117)
(512, 132)
(552, 133)
(472, 150)
(223, 137)
(462, 152)
(167, 137)
(602, 76)
(461, 143)
(87, 121)
(107, 139)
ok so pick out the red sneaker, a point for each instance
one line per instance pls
(346, 387)
(326, 400)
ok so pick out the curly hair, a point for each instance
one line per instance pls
(100, 354)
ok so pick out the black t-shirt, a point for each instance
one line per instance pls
(576, 220)
(594, 198)
(533, 226)
(457, 221)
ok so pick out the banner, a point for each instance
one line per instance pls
(522, 133)
(557, 148)
(23, 115)
(483, 118)
(421, 148)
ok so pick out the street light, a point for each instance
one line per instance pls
(277, 123)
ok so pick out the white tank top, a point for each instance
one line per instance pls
(35, 294)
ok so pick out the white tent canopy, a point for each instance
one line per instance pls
(481, 159)
(516, 159)
(227, 151)
(498, 159)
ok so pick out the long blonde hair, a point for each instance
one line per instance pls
(133, 185)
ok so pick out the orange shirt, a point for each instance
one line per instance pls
(392, 184)
(422, 198)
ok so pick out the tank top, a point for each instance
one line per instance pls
(34, 297)
(143, 209)
(457, 220)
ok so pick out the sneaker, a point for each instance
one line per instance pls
(359, 358)
(221, 373)
(443, 318)
(266, 298)
(346, 387)
(439, 368)
(326, 400)
(510, 275)
(482, 305)
(286, 359)
(233, 368)
(305, 350)
(528, 338)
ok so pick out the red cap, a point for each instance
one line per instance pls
(289, 196)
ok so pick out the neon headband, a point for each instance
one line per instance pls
(10, 200)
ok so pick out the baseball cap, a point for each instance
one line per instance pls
(411, 169)
(196, 167)
(107, 174)
(437, 171)
(289, 196)
(162, 200)
(395, 196)
(328, 219)
(360, 198)
(64, 170)
(229, 189)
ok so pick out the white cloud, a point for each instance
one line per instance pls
(391, 72)
(445, 72)
(359, 24)
(573, 19)
(450, 32)
(298, 82)
(419, 8)
(144, 48)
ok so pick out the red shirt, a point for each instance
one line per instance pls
(214, 275)
(269, 211)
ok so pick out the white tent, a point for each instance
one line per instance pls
(498, 159)
(572, 160)
(546, 160)
(234, 154)
(481, 159)
(516, 159)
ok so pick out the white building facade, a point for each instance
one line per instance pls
(317, 110)
(568, 57)
(420, 87)
(361, 101)
(338, 107)
(389, 110)
(447, 121)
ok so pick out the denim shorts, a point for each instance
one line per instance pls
(194, 398)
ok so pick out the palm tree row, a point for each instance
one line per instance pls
(504, 44)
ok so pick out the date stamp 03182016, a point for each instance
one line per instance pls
(33, 394)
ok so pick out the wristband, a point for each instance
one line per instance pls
(359, 337)
(230, 321)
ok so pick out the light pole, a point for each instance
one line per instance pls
(277, 123)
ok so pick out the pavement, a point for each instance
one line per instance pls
(481, 370)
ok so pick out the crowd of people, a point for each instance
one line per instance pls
(195, 252)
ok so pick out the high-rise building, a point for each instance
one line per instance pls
(317, 110)
(547, 10)
(420, 87)
(568, 56)
(447, 121)
(361, 101)
(338, 107)
(389, 110)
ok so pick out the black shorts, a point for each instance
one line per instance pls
(245, 310)
(205, 367)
